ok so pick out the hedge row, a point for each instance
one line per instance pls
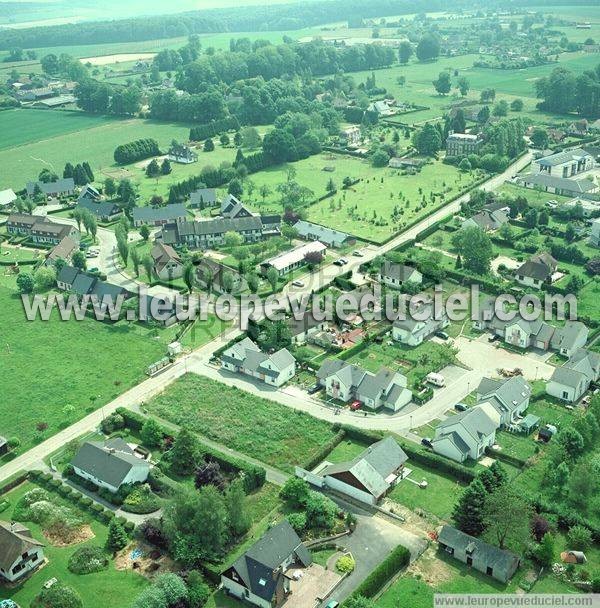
(327, 448)
(566, 517)
(399, 558)
(507, 458)
(358, 434)
(438, 463)
(254, 477)
(216, 127)
(136, 150)
(13, 483)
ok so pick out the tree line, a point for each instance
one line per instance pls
(136, 150)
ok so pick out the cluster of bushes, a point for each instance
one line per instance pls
(87, 560)
(141, 500)
(170, 590)
(136, 150)
(58, 596)
(213, 128)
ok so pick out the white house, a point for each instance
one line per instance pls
(346, 382)
(467, 434)
(571, 381)
(413, 331)
(110, 465)
(565, 164)
(7, 197)
(20, 553)
(509, 397)
(246, 357)
(396, 275)
(262, 576)
(290, 260)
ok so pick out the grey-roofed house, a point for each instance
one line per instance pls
(167, 263)
(595, 234)
(315, 232)
(572, 380)
(66, 276)
(110, 464)
(509, 397)
(294, 258)
(558, 185)
(61, 187)
(487, 220)
(565, 164)
(159, 216)
(40, 228)
(204, 197)
(20, 553)
(414, 331)
(180, 153)
(467, 434)
(300, 329)
(63, 251)
(84, 284)
(261, 576)
(232, 208)
(369, 476)
(497, 563)
(396, 275)
(210, 275)
(104, 211)
(347, 382)
(246, 357)
(569, 338)
(537, 271)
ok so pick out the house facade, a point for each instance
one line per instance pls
(565, 164)
(396, 275)
(462, 144)
(158, 216)
(167, 263)
(40, 229)
(245, 357)
(571, 381)
(180, 153)
(509, 397)
(20, 553)
(61, 187)
(537, 271)
(558, 185)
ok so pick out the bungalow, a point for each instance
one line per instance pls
(467, 434)
(595, 236)
(40, 229)
(210, 273)
(327, 236)
(571, 381)
(61, 187)
(369, 476)
(159, 216)
(290, 260)
(396, 275)
(569, 338)
(261, 576)
(232, 208)
(558, 185)
(110, 464)
(347, 382)
(20, 553)
(486, 558)
(63, 251)
(301, 329)
(509, 397)
(167, 263)
(204, 197)
(180, 153)
(565, 164)
(246, 357)
(104, 211)
(7, 197)
(84, 284)
(537, 271)
(487, 220)
(414, 331)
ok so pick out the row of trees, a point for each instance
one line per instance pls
(101, 98)
(81, 173)
(136, 150)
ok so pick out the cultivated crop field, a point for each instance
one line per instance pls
(265, 430)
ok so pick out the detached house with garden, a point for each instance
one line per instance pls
(20, 553)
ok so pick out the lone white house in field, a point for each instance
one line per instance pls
(262, 575)
(110, 465)
(20, 553)
(246, 357)
(466, 435)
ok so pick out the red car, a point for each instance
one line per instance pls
(355, 405)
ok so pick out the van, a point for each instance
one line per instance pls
(436, 379)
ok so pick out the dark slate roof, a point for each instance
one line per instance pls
(15, 539)
(562, 183)
(169, 213)
(109, 462)
(400, 272)
(498, 559)
(203, 195)
(62, 185)
(300, 326)
(540, 267)
(67, 274)
(63, 250)
(257, 566)
(100, 208)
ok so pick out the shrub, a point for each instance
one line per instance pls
(87, 560)
(141, 501)
(297, 521)
(172, 586)
(58, 596)
(579, 537)
(345, 564)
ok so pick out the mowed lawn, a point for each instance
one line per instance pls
(46, 367)
(20, 127)
(262, 429)
(110, 588)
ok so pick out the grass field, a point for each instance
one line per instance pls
(124, 586)
(263, 429)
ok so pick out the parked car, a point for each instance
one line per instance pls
(461, 407)
(297, 283)
(355, 405)
(436, 379)
(358, 254)
(315, 388)
(442, 334)
(341, 262)
(332, 604)
(94, 270)
(552, 204)
(426, 441)
(493, 338)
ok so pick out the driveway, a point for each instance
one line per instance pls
(371, 542)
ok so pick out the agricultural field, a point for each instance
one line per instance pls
(124, 585)
(262, 429)
(56, 372)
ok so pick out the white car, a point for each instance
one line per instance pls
(50, 582)
(298, 284)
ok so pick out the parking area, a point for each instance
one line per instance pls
(314, 584)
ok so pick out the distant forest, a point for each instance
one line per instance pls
(243, 19)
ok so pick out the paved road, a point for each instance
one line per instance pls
(197, 361)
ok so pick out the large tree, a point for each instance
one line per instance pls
(468, 512)
(475, 249)
(405, 51)
(428, 47)
(507, 517)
